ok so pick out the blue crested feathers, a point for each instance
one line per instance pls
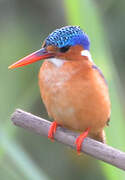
(68, 36)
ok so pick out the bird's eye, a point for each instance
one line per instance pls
(64, 49)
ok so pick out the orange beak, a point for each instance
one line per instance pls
(36, 56)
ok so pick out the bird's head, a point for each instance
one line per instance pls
(67, 43)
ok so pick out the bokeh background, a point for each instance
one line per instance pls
(23, 27)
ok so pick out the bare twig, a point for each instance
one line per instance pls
(94, 148)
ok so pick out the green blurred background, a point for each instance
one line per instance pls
(23, 27)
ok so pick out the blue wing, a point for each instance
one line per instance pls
(100, 72)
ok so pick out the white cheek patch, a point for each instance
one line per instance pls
(56, 62)
(87, 54)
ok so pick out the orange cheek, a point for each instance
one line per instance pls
(74, 53)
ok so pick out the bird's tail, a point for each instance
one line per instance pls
(99, 137)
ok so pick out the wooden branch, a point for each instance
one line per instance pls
(94, 148)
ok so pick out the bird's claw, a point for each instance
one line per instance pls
(80, 140)
(52, 130)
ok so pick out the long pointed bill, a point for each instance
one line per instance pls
(36, 56)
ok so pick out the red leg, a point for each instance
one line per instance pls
(52, 130)
(80, 140)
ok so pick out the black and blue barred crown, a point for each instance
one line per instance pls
(68, 36)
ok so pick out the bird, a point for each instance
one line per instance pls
(72, 87)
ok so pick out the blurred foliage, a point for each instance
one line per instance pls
(24, 25)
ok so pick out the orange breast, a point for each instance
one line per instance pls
(75, 95)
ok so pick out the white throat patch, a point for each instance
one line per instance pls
(87, 54)
(56, 62)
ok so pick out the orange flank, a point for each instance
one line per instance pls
(76, 96)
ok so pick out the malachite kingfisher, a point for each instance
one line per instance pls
(72, 87)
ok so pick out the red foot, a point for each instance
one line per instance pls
(52, 130)
(80, 140)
